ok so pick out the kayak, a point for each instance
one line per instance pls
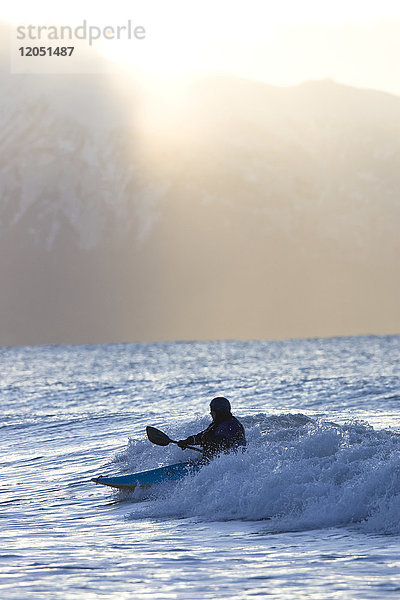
(149, 478)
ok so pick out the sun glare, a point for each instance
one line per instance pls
(262, 39)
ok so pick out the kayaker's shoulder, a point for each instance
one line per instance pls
(231, 424)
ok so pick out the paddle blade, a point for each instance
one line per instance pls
(157, 437)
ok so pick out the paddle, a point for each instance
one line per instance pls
(161, 439)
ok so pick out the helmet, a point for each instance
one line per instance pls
(220, 404)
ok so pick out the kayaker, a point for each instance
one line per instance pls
(225, 433)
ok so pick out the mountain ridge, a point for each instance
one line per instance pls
(242, 216)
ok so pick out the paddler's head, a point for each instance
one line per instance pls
(220, 407)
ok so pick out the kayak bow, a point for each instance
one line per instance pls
(149, 478)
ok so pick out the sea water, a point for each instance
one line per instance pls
(311, 509)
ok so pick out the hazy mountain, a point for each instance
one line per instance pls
(230, 210)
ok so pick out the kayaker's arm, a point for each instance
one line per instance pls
(218, 437)
(191, 440)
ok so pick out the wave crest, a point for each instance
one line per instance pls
(297, 472)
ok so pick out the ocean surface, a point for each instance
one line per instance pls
(310, 510)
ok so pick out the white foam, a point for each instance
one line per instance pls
(298, 472)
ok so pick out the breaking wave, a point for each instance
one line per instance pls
(298, 473)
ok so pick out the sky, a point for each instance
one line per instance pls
(353, 42)
(279, 42)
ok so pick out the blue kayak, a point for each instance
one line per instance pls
(149, 478)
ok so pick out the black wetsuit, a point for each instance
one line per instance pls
(224, 434)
